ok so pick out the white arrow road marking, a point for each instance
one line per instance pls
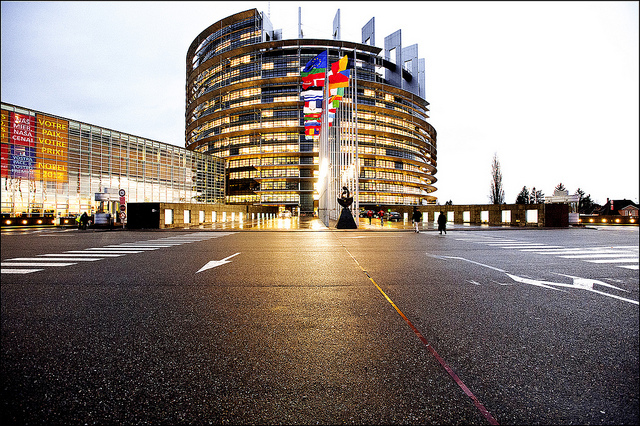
(578, 282)
(214, 263)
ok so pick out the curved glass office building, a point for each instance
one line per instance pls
(243, 104)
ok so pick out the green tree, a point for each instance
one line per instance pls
(586, 204)
(523, 196)
(496, 196)
(537, 197)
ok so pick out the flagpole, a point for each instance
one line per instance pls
(325, 163)
(356, 191)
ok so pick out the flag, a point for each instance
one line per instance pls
(318, 63)
(312, 95)
(340, 79)
(337, 92)
(312, 80)
(311, 128)
(341, 65)
(313, 77)
(312, 108)
(312, 122)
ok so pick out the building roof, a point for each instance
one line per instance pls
(617, 206)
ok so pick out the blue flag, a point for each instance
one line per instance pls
(319, 62)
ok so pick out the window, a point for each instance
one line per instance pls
(168, 216)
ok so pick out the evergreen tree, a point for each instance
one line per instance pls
(536, 197)
(523, 196)
(560, 187)
(586, 204)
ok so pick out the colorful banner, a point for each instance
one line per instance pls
(4, 146)
(34, 148)
(53, 149)
(23, 145)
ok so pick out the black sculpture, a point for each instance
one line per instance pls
(346, 218)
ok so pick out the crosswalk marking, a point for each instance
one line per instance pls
(40, 264)
(613, 255)
(26, 265)
(619, 260)
(51, 259)
(132, 247)
(84, 253)
(633, 267)
(81, 254)
(591, 256)
(20, 271)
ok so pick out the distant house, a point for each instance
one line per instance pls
(619, 208)
(631, 211)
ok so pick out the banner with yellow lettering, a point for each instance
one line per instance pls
(52, 137)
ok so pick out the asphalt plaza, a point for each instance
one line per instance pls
(323, 326)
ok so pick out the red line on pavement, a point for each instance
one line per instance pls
(433, 352)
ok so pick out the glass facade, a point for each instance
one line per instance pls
(243, 104)
(53, 166)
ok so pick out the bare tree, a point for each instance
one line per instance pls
(496, 196)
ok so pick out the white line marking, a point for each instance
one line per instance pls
(49, 259)
(592, 256)
(130, 248)
(34, 264)
(76, 255)
(19, 271)
(578, 282)
(577, 251)
(621, 260)
(214, 263)
(101, 250)
(104, 254)
(470, 261)
(156, 244)
(514, 243)
(634, 267)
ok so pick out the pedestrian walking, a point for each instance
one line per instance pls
(417, 218)
(369, 215)
(84, 219)
(381, 214)
(442, 223)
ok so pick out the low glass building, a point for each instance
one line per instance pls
(243, 104)
(57, 167)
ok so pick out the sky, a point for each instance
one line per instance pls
(549, 88)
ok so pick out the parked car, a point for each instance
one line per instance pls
(394, 216)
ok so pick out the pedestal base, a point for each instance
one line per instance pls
(346, 220)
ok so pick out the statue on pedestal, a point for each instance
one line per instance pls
(346, 218)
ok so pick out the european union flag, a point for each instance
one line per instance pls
(319, 62)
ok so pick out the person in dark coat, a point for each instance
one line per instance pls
(442, 223)
(84, 219)
(417, 218)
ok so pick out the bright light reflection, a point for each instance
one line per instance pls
(284, 223)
